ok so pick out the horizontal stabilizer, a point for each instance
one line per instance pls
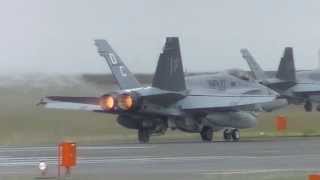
(71, 103)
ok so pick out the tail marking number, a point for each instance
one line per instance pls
(113, 59)
(122, 71)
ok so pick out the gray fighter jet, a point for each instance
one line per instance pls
(197, 104)
(297, 87)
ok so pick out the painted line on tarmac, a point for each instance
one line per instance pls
(255, 171)
(20, 161)
(113, 147)
(155, 158)
(25, 149)
(15, 149)
(101, 160)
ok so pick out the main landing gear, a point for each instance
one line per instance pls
(143, 135)
(228, 134)
(206, 134)
(231, 134)
(308, 106)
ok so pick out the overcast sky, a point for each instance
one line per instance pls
(57, 36)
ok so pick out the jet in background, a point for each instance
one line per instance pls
(298, 87)
(196, 104)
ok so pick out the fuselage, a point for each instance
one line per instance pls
(307, 87)
(208, 89)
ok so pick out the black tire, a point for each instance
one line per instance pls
(235, 133)
(308, 106)
(227, 136)
(143, 135)
(206, 134)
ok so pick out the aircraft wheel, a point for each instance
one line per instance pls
(308, 106)
(227, 136)
(206, 134)
(318, 107)
(235, 133)
(143, 135)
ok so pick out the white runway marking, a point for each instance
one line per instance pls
(113, 147)
(255, 171)
(25, 149)
(27, 161)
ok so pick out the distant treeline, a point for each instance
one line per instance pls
(107, 79)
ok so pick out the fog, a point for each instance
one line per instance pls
(54, 36)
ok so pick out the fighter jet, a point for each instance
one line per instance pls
(196, 104)
(297, 86)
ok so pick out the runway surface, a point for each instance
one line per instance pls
(176, 158)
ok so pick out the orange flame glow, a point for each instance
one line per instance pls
(125, 102)
(107, 103)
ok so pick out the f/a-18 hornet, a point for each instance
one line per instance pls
(296, 86)
(196, 104)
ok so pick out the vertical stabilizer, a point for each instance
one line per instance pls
(287, 69)
(120, 72)
(169, 73)
(254, 66)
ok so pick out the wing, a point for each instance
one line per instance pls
(71, 103)
(306, 89)
(224, 102)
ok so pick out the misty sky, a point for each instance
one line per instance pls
(57, 36)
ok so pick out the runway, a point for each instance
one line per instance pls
(177, 158)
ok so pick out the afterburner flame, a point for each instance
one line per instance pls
(107, 103)
(125, 102)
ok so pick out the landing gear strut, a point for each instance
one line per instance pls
(235, 135)
(143, 135)
(231, 134)
(308, 106)
(206, 134)
(227, 135)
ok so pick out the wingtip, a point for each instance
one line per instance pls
(42, 102)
